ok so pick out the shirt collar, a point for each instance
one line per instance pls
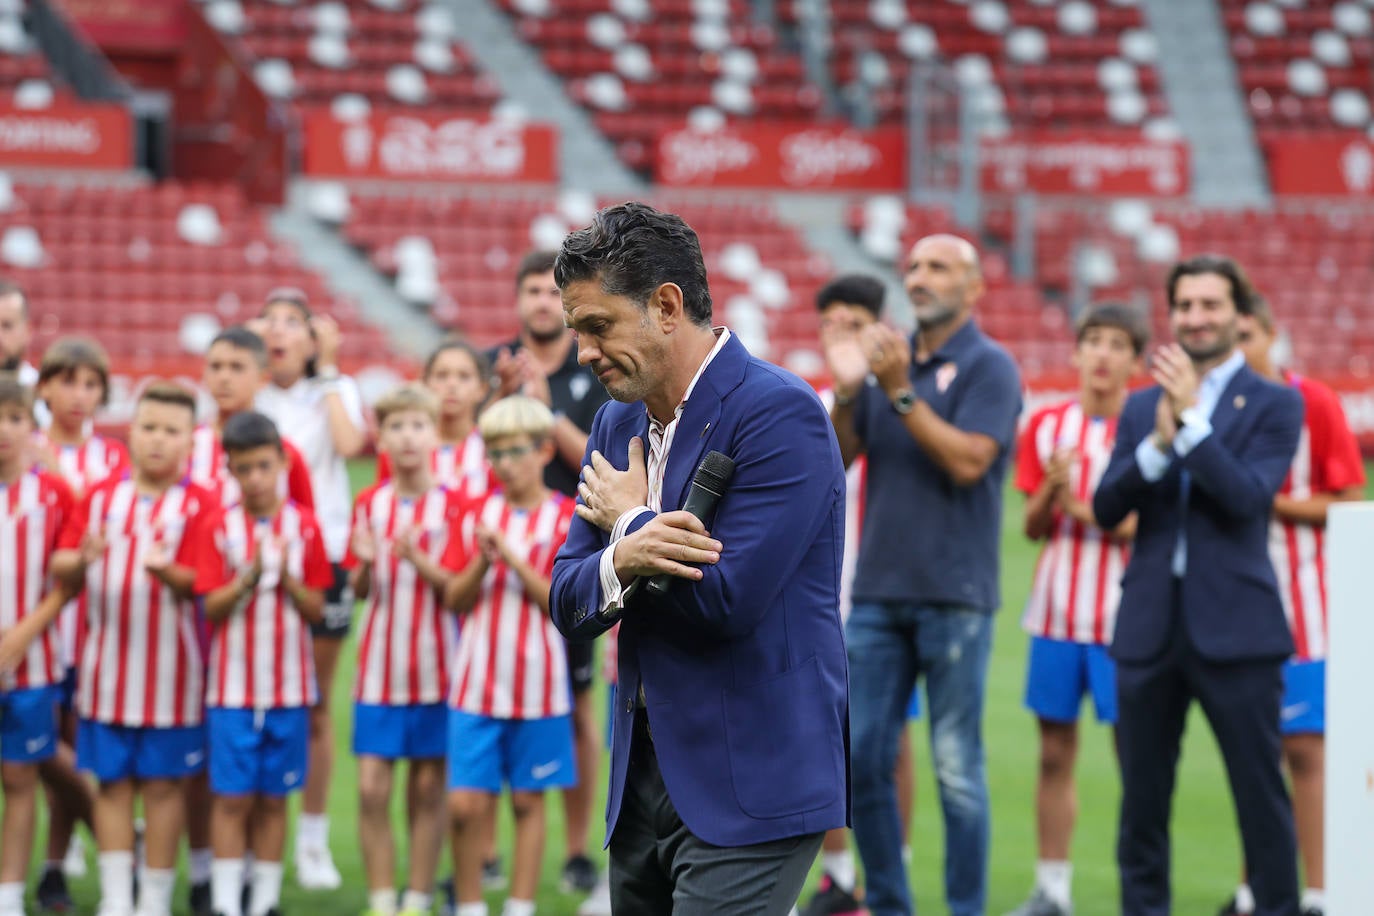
(961, 341)
(1219, 376)
(722, 335)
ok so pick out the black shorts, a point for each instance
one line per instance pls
(581, 665)
(338, 608)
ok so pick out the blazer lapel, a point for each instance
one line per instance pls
(699, 420)
(634, 423)
(1231, 406)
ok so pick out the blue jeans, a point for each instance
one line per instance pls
(890, 646)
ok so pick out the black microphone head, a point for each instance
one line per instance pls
(715, 472)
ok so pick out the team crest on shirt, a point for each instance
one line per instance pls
(944, 377)
(579, 385)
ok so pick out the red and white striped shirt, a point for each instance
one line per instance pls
(511, 661)
(856, 491)
(1077, 586)
(407, 645)
(140, 662)
(260, 655)
(462, 468)
(1327, 461)
(33, 512)
(83, 466)
(209, 467)
(95, 460)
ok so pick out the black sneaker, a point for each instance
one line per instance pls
(448, 897)
(493, 878)
(830, 900)
(52, 895)
(200, 899)
(1040, 904)
(1312, 911)
(579, 875)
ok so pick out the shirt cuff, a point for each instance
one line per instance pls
(625, 520)
(1153, 463)
(612, 592)
(1190, 435)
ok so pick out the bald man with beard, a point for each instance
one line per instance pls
(935, 414)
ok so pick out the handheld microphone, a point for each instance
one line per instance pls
(708, 485)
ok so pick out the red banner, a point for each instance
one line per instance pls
(1084, 164)
(131, 25)
(67, 135)
(429, 147)
(776, 156)
(1315, 164)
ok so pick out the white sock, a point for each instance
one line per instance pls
(155, 887)
(226, 887)
(199, 871)
(117, 881)
(840, 867)
(414, 900)
(312, 831)
(1245, 899)
(266, 892)
(383, 901)
(471, 909)
(1314, 898)
(515, 907)
(1056, 880)
(12, 899)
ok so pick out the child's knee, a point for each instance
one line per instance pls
(18, 779)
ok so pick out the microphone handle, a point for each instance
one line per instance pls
(700, 502)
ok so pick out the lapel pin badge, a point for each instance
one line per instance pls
(1239, 402)
(704, 430)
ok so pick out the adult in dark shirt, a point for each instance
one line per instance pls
(936, 416)
(542, 363)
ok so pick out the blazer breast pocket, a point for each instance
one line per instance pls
(780, 744)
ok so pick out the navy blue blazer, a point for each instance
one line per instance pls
(1229, 595)
(744, 672)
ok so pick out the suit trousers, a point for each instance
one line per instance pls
(1241, 701)
(659, 867)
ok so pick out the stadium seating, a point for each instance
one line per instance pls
(763, 277)
(1071, 65)
(643, 66)
(25, 77)
(151, 271)
(1303, 67)
(394, 53)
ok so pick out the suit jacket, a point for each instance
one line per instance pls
(744, 672)
(1230, 602)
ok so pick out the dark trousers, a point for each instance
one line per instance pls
(1241, 701)
(659, 867)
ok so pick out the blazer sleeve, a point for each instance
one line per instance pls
(575, 588)
(1243, 483)
(785, 487)
(1123, 488)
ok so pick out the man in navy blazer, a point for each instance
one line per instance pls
(729, 755)
(1199, 457)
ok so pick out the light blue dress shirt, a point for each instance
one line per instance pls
(1154, 464)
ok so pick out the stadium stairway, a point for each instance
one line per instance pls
(1203, 89)
(587, 160)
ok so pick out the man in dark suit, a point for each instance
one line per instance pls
(730, 737)
(1199, 457)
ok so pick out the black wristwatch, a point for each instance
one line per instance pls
(904, 401)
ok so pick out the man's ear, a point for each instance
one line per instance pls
(665, 305)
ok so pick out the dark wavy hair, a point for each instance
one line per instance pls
(1242, 293)
(1115, 315)
(248, 430)
(632, 249)
(853, 289)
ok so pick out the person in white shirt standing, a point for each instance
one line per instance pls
(322, 411)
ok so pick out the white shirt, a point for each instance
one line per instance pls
(660, 442)
(28, 377)
(301, 415)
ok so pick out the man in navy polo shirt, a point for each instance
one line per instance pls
(936, 417)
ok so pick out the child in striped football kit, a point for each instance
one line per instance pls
(262, 569)
(400, 529)
(510, 702)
